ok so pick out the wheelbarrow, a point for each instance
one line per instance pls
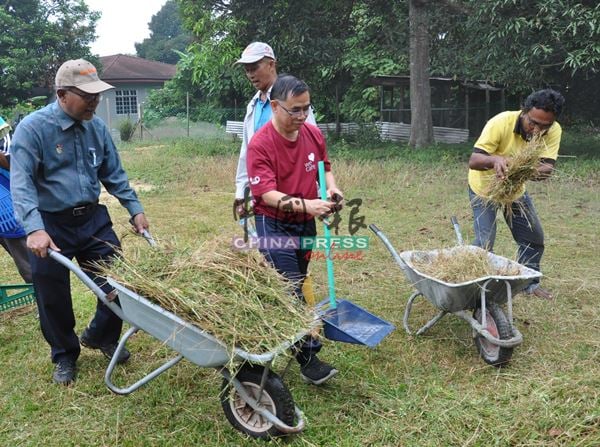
(255, 399)
(478, 301)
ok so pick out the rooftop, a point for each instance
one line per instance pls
(124, 68)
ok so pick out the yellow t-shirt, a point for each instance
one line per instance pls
(499, 137)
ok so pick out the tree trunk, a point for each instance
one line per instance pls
(421, 127)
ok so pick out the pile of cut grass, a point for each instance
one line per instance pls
(522, 166)
(234, 295)
(461, 264)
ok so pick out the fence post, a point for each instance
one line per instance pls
(338, 126)
(466, 107)
(108, 115)
(141, 117)
(187, 111)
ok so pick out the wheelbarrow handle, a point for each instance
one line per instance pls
(388, 245)
(66, 262)
(459, 237)
(145, 233)
(374, 228)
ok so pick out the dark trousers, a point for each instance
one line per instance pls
(17, 248)
(87, 238)
(293, 264)
(523, 223)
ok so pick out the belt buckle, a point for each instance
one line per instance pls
(79, 210)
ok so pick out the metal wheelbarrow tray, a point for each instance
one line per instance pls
(452, 297)
(477, 301)
(254, 399)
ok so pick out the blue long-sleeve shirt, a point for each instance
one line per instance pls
(59, 163)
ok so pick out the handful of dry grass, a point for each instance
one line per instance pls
(521, 168)
(460, 264)
(233, 295)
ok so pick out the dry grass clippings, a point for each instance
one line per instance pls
(522, 166)
(461, 264)
(233, 295)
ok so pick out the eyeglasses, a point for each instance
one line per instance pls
(534, 123)
(87, 97)
(297, 112)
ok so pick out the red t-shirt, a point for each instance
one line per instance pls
(277, 164)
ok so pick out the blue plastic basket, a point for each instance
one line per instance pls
(9, 227)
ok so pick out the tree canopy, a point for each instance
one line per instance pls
(519, 43)
(338, 45)
(36, 37)
(167, 36)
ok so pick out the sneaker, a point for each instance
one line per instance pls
(108, 350)
(316, 371)
(540, 293)
(64, 372)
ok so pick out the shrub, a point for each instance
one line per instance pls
(126, 129)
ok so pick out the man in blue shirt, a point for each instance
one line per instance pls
(61, 155)
(260, 67)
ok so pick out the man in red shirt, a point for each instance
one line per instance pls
(282, 169)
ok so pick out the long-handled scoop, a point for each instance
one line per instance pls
(327, 233)
(345, 321)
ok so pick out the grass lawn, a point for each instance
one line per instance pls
(432, 390)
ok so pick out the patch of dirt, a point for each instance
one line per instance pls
(138, 186)
(146, 148)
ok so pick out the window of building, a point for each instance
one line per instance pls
(126, 102)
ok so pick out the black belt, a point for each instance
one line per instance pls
(77, 211)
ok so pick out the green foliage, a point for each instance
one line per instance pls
(308, 45)
(167, 36)
(126, 127)
(377, 46)
(36, 37)
(171, 101)
(14, 113)
(337, 46)
(519, 43)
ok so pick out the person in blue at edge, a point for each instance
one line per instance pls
(61, 154)
(260, 66)
(12, 235)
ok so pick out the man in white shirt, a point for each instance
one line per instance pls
(260, 66)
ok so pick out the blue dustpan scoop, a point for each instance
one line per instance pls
(350, 323)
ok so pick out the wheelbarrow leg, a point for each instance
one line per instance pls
(144, 380)
(428, 325)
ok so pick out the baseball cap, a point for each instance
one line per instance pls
(255, 52)
(81, 74)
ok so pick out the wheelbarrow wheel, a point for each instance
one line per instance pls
(499, 326)
(275, 398)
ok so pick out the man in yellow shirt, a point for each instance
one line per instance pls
(504, 135)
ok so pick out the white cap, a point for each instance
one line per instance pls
(255, 52)
(81, 74)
